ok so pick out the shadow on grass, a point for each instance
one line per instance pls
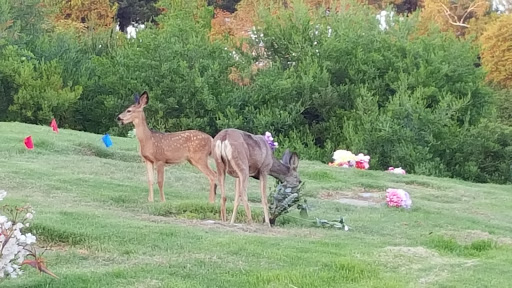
(202, 211)
(94, 150)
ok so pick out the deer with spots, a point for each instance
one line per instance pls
(243, 155)
(158, 149)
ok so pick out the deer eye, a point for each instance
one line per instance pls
(129, 110)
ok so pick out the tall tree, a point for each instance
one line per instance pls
(138, 11)
(226, 5)
(453, 15)
(497, 51)
(84, 14)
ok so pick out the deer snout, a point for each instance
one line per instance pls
(119, 120)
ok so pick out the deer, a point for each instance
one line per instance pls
(159, 149)
(242, 155)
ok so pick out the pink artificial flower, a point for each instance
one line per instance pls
(398, 198)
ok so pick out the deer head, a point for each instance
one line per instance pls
(287, 171)
(135, 111)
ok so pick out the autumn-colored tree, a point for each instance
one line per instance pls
(83, 14)
(453, 16)
(497, 51)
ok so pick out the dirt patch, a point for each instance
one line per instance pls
(58, 247)
(427, 264)
(360, 197)
(419, 251)
(254, 228)
(469, 236)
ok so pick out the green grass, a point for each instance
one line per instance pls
(92, 211)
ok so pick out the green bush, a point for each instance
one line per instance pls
(40, 94)
(336, 81)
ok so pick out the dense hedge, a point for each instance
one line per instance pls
(336, 81)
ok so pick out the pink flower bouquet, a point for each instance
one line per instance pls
(398, 198)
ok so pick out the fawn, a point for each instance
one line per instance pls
(158, 149)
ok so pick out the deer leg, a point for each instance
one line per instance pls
(149, 167)
(243, 191)
(221, 177)
(263, 187)
(237, 199)
(160, 169)
(203, 166)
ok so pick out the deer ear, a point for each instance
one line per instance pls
(286, 157)
(144, 99)
(294, 161)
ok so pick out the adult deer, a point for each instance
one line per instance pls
(158, 149)
(243, 155)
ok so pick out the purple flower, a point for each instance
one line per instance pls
(273, 145)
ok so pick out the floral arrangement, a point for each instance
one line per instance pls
(398, 170)
(398, 198)
(347, 159)
(273, 145)
(337, 224)
(15, 246)
(283, 199)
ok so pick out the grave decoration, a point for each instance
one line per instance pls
(398, 198)
(347, 159)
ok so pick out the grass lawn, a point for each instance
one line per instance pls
(92, 211)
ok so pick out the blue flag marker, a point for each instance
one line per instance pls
(106, 139)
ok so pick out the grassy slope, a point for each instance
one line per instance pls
(90, 203)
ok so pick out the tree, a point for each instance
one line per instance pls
(136, 11)
(226, 5)
(497, 51)
(85, 14)
(453, 16)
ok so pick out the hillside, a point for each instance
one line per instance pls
(91, 206)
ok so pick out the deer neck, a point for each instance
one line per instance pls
(278, 170)
(142, 131)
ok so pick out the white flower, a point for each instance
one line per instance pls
(18, 226)
(30, 238)
(7, 225)
(9, 269)
(3, 193)
(29, 216)
(22, 238)
(3, 219)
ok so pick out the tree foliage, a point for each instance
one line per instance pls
(496, 53)
(318, 81)
(138, 11)
(86, 14)
(453, 16)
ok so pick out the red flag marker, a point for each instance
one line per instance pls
(54, 126)
(28, 143)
